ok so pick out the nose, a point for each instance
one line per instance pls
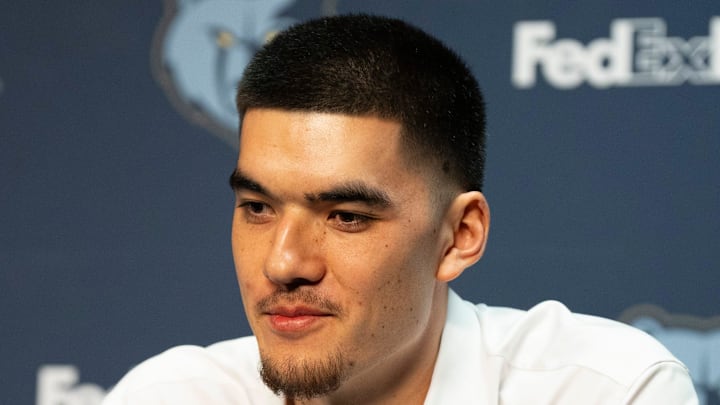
(295, 254)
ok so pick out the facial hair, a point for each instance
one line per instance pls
(301, 378)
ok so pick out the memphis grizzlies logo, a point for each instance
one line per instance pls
(695, 341)
(200, 51)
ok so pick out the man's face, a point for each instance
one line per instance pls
(335, 241)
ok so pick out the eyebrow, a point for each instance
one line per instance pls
(354, 191)
(239, 181)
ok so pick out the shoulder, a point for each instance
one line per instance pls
(225, 372)
(550, 336)
(548, 353)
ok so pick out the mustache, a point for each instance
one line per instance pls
(298, 297)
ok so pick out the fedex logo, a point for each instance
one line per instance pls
(637, 52)
(58, 385)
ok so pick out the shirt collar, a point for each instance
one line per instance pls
(459, 375)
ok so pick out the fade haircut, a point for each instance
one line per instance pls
(376, 66)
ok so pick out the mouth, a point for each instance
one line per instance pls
(294, 320)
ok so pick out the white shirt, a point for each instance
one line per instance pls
(487, 356)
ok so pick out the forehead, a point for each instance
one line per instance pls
(310, 144)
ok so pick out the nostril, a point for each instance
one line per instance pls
(298, 282)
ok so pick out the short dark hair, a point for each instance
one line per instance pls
(371, 65)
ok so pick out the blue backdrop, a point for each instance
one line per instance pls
(117, 137)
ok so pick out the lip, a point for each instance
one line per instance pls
(293, 320)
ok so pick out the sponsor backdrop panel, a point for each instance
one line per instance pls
(117, 135)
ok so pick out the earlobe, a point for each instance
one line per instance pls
(469, 220)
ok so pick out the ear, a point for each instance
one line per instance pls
(468, 219)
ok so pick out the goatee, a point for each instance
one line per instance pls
(301, 378)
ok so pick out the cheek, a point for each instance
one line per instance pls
(393, 277)
(238, 247)
(411, 279)
(247, 257)
(251, 282)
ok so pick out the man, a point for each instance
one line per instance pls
(358, 188)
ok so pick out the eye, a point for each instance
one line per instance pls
(349, 221)
(256, 212)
